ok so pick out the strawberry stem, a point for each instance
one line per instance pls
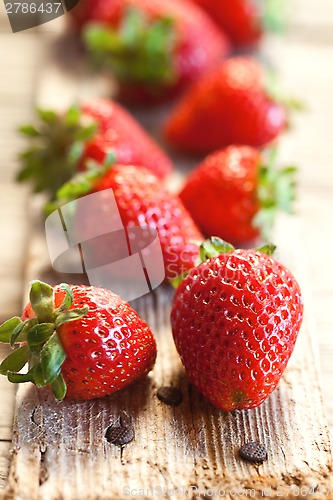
(42, 348)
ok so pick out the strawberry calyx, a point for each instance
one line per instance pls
(215, 246)
(81, 183)
(139, 51)
(40, 345)
(57, 145)
(276, 192)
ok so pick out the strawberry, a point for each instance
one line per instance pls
(83, 342)
(240, 19)
(235, 319)
(235, 193)
(151, 46)
(228, 106)
(63, 143)
(142, 202)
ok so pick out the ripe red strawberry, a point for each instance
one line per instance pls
(245, 21)
(241, 19)
(151, 46)
(235, 319)
(83, 342)
(236, 192)
(228, 106)
(142, 202)
(63, 143)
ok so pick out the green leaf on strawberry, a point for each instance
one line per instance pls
(42, 347)
(268, 249)
(52, 357)
(41, 300)
(29, 131)
(40, 333)
(139, 51)
(66, 143)
(20, 378)
(235, 320)
(6, 329)
(213, 247)
(58, 387)
(78, 354)
(237, 192)
(57, 146)
(276, 192)
(16, 360)
(20, 333)
(275, 15)
(277, 93)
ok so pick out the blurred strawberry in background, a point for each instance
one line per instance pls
(154, 48)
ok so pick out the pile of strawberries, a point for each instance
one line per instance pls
(236, 314)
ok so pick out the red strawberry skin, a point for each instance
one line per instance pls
(235, 320)
(142, 201)
(228, 106)
(120, 133)
(240, 19)
(193, 55)
(221, 194)
(107, 349)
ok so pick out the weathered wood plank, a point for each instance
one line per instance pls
(19, 59)
(16, 91)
